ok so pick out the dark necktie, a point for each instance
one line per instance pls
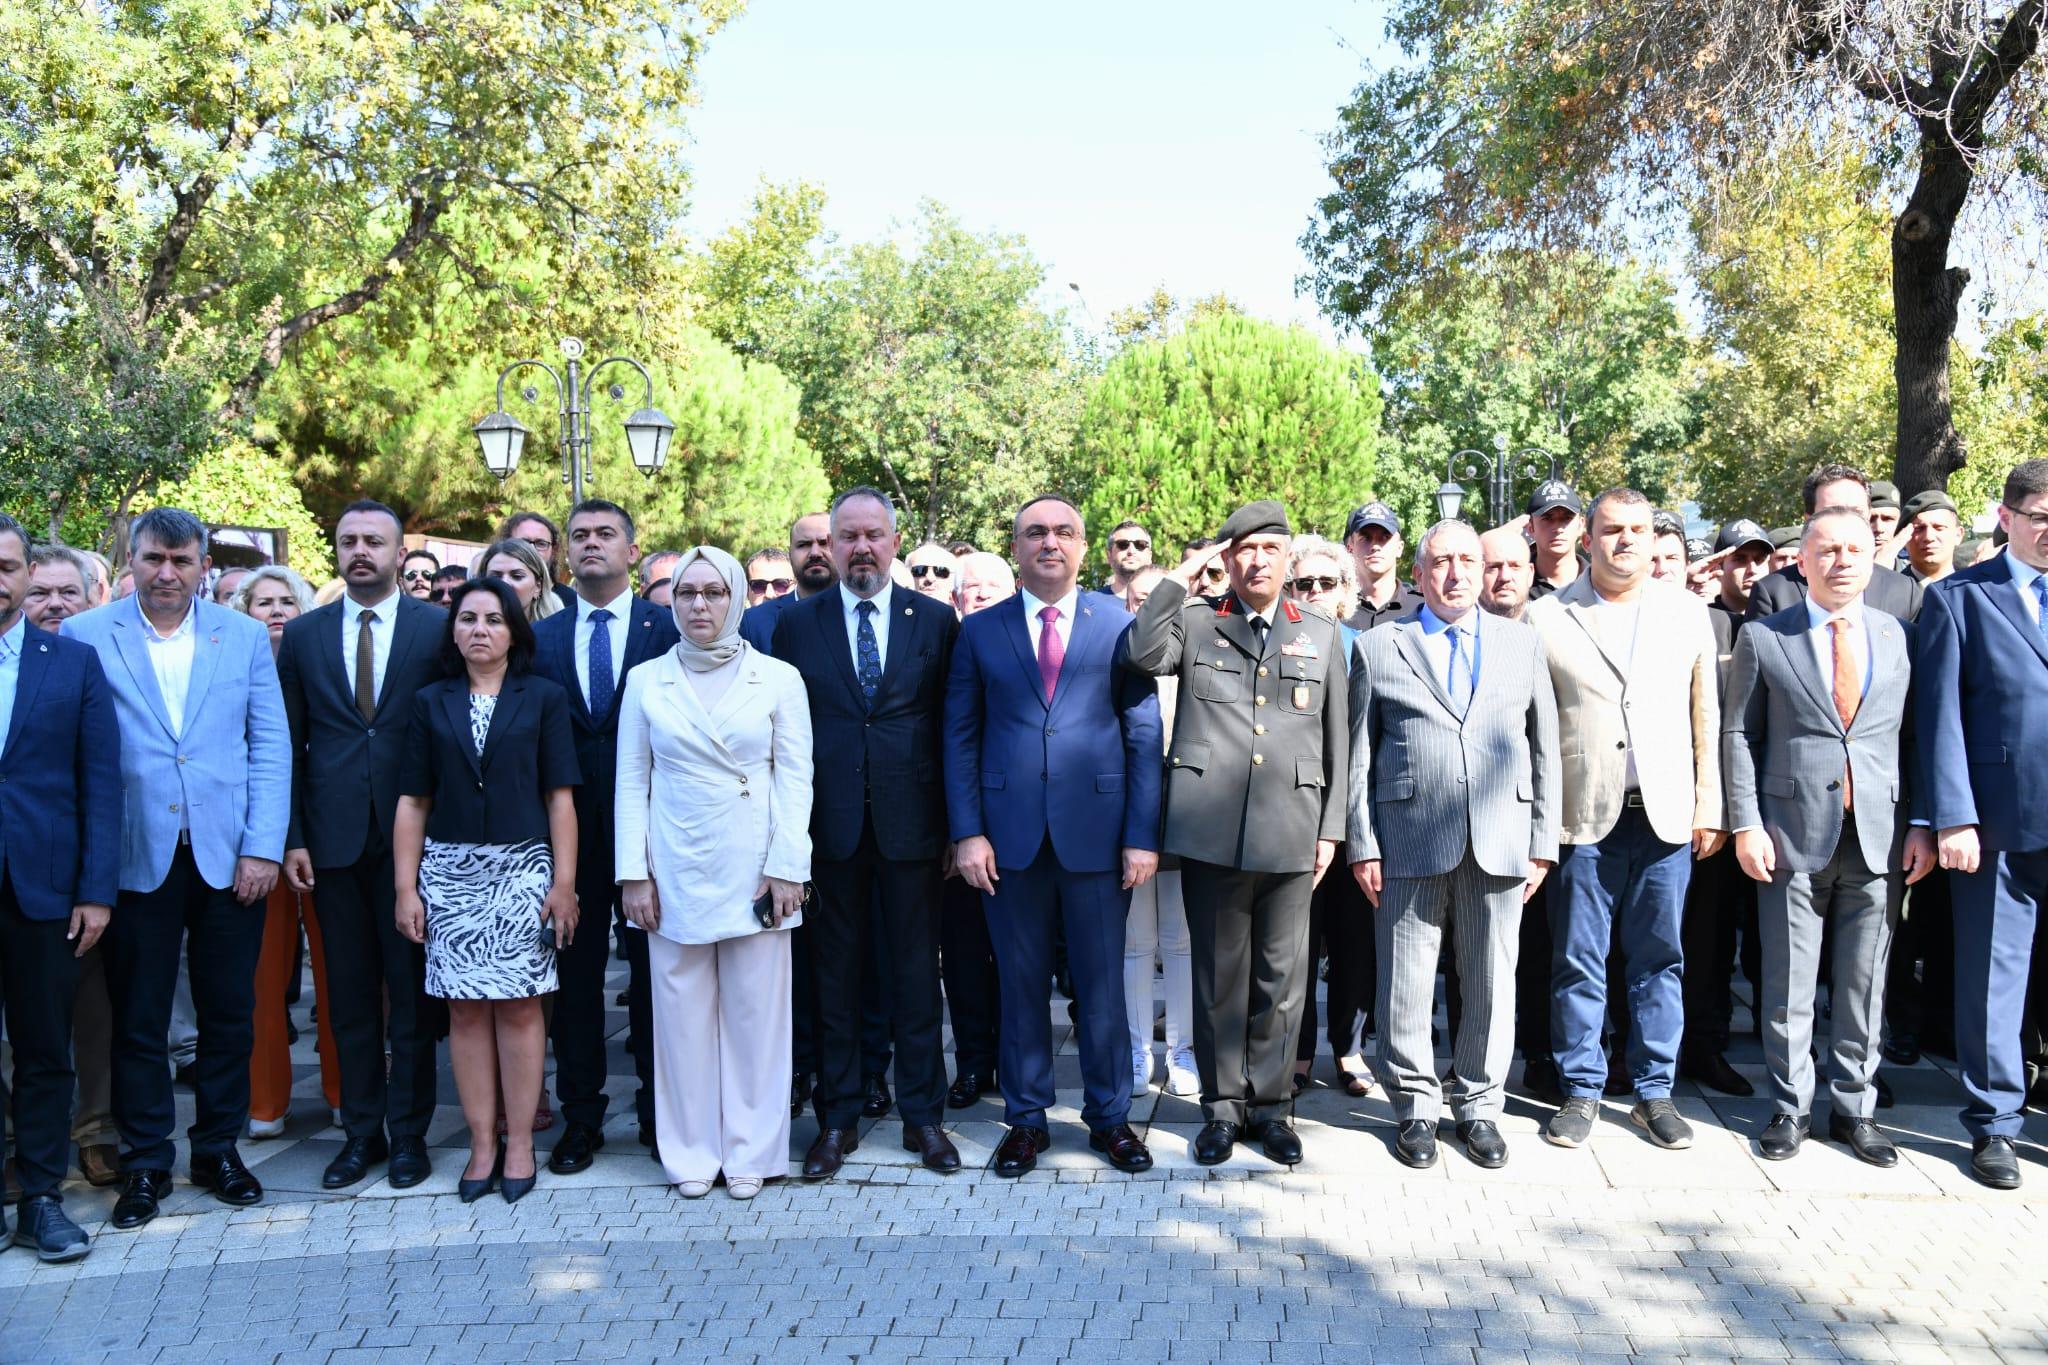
(1051, 653)
(1258, 625)
(868, 652)
(600, 662)
(2041, 597)
(366, 668)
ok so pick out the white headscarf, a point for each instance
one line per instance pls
(728, 644)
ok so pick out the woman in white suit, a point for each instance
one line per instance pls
(714, 847)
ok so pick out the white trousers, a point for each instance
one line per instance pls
(721, 1055)
(1158, 925)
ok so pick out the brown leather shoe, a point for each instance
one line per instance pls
(930, 1142)
(829, 1152)
(1123, 1147)
(100, 1164)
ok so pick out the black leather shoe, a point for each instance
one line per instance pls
(141, 1192)
(1884, 1091)
(1713, 1071)
(1865, 1139)
(831, 1148)
(878, 1100)
(647, 1136)
(225, 1175)
(1017, 1153)
(1483, 1143)
(1123, 1147)
(43, 1225)
(409, 1162)
(469, 1191)
(1902, 1049)
(515, 1187)
(577, 1149)
(1781, 1137)
(799, 1093)
(353, 1162)
(932, 1145)
(1278, 1140)
(1993, 1160)
(1415, 1144)
(1541, 1081)
(1213, 1143)
(969, 1087)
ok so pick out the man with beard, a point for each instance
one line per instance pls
(1373, 535)
(769, 575)
(1128, 551)
(810, 560)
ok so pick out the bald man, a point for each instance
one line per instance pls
(1508, 572)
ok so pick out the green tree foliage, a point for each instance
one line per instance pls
(1183, 429)
(236, 484)
(751, 279)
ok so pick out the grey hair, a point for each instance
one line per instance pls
(40, 555)
(1855, 514)
(864, 490)
(10, 527)
(299, 588)
(1422, 545)
(1307, 547)
(170, 527)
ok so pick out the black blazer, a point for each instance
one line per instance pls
(500, 797)
(1890, 591)
(345, 770)
(881, 764)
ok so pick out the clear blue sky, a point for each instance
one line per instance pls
(1132, 142)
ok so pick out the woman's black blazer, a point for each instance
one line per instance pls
(499, 797)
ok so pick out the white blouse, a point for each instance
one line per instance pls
(709, 802)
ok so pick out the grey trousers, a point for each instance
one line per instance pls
(1860, 908)
(92, 1055)
(1248, 945)
(1485, 915)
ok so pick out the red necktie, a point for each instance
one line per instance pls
(1848, 687)
(1051, 653)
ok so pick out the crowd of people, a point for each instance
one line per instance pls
(822, 801)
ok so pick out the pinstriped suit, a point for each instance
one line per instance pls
(1455, 806)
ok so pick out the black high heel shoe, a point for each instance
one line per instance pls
(469, 1191)
(516, 1187)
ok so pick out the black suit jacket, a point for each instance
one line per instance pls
(344, 769)
(499, 796)
(650, 633)
(1890, 591)
(880, 763)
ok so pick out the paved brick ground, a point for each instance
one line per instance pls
(1617, 1250)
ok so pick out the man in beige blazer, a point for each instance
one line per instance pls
(1634, 667)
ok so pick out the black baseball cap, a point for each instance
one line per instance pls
(1742, 531)
(1374, 513)
(1554, 493)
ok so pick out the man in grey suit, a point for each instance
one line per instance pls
(1810, 746)
(1254, 810)
(1454, 792)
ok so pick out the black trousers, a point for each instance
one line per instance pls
(221, 939)
(579, 1028)
(1340, 923)
(973, 995)
(1248, 941)
(1716, 901)
(876, 1016)
(840, 930)
(371, 965)
(38, 982)
(1532, 979)
(1924, 1005)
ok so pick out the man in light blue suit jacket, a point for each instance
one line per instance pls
(1052, 794)
(206, 798)
(1981, 711)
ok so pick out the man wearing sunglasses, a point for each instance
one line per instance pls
(416, 573)
(1129, 550)
(1373, 535)
(769, 576)
(446, 579)
(933, 571)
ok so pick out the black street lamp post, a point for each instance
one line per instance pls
(501, 437)
(1498, 473)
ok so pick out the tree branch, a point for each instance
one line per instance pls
(2018, 40)
(188, 203)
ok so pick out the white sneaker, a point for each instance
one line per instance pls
(1181, 1076)
(261, 1129)
(1141, 1072)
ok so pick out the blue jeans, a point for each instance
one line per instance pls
(1635, 879)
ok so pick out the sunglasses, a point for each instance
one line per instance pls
(438, 596)
(1215, 573)
(930, 571)
(418, 575)
(1316, 583)
(764, 584)
(1130, 544)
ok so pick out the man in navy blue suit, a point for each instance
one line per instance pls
(1981, 699)
(587, 651)
(1052, 792)
(60, 849)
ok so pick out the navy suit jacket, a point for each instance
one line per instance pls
(1980, 687)
(757, 623)
(60, 780)
(890, 751)
(1084, 768)
(650, 633)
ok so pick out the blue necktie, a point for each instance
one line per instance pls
(600, 663)
(1461, 673)
(2041, 598)
(868, 652)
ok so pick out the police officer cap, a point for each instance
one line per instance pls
(1933, 500)
(1372, 514)
(1884, 493)
(1742, 531)
(1553, 493)
(1265, 517)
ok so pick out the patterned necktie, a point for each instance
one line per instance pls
(1051, 653)
(600, 663)
(1461, 672)
(366, 668)
(2041, 597)
(1848, 688)
(868, 652)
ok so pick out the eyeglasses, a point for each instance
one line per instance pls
(764, 584)
(684, 597)
(2037, 520)
(930, 571)
(438, 596)
(1130, 544)
(418, 575)
(1316, 583)
(1215, 573)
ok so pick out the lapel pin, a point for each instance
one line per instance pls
(906, 611)
(42, 649)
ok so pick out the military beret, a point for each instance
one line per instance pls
(1933, 500)
(1266, 517)
(1884, 493)
(1742, 531)
(1785, 537)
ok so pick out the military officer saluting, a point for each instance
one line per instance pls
(1254, 809)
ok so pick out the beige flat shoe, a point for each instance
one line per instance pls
(693, 1189)
(742, 1187)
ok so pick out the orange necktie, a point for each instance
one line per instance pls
(1848, 689)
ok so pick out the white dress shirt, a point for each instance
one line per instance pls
(1064, 623)
(383, 623)
(10, 670)
(850, 605)
(1822, 638)
(621, 608)
(170, 658)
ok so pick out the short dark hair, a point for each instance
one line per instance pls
(170, 527)
(554, 531)
(1126, 525)
(421, 553)
(1625, 497)
(521, 657)
(2027, 478)
(9, 526)
(370, 505)
(769, 552)
(1033, 501)
(1665, 523)
(1827, 474)
(1200, 543)
(595, 507)
(454, 573)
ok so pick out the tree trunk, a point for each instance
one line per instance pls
(1926, 292)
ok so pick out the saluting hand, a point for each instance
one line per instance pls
(1188, 573)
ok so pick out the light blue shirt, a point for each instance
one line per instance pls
(849, 602)
(2023, 576)
(1436, 645)
(10, 671)
(1822, 639)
